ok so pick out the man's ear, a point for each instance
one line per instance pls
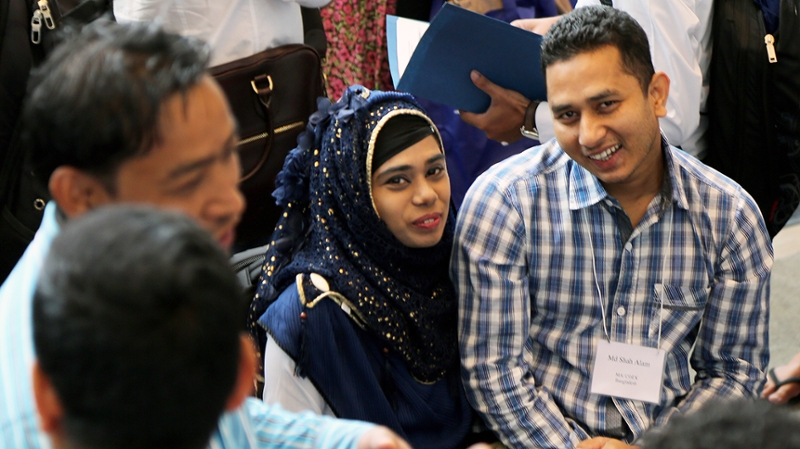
(77, 192)
(246, 376)
(658, 93)
(47, 402)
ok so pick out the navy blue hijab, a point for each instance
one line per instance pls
(330, 227)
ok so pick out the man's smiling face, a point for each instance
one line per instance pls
(602, 118)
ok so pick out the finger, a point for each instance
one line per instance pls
(381, 438)
(525, 24)
(785, 393)
(588, 445)
(483, 83)
(471, 118)
(592, 443)
(402, 444)
(384, 442)
(769, 388)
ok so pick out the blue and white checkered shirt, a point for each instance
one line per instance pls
(254, 425)
(530, 318)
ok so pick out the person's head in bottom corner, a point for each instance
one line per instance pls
(729, 424)
(138, 329)
(128, 113)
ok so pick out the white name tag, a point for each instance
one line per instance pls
(628, 371)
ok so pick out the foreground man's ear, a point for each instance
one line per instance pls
(47, 402)
(77, 192)
(246, 375)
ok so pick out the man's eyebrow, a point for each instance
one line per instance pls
(202, 163)
(602, 95)
(556, 109)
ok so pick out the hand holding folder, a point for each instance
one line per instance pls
(459, 41)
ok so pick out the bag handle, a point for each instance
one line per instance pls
(263, 87)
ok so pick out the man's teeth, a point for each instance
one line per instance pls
(605, 155)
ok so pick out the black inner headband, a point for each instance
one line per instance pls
(397, 134)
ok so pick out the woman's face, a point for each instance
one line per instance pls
(412, 194)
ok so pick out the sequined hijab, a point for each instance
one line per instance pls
(330, 227)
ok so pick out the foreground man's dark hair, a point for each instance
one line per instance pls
(137, 325)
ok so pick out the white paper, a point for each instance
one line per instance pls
(407, 34)
(628, 371)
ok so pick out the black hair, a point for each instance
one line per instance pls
(95, 101)
(137, 319)
(590, 28)
(732, 424)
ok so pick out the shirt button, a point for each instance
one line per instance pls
(621, 311)
(628, 246)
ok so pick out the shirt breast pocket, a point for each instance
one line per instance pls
(677, 310)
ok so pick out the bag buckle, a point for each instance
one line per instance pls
(263, 96)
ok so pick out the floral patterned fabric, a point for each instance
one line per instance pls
(357, 54)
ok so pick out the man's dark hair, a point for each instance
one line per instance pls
(137, 319)
(737, 424)
(95, 101)
(590, 28)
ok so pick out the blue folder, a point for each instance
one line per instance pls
(458, 41)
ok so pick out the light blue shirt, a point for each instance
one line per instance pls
(253, 425)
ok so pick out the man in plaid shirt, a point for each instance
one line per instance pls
(606, 238)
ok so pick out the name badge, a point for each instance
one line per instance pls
(628, 371)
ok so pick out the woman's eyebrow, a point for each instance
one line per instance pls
(402, 168)
(436, 158)
(396, 169)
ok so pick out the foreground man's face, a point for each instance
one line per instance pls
(195, 167)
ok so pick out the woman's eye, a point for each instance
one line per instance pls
(396, 180)
(435, 171)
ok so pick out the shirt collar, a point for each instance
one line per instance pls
(585, 189)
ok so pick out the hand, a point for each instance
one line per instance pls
(501, 122)
(563, 6)
(380, 437)
(479, 6)
(787, 391)
(603, 443)
(538, 26)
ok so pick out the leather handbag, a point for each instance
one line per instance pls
(272, 94)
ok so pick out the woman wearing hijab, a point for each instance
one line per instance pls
(364, 324)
